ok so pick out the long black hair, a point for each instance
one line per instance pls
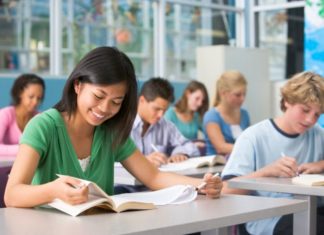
(105, 66)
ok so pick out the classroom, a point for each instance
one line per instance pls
(104, 98)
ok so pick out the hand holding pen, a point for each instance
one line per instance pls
(211, 186)
(291, 165)
(156, 157)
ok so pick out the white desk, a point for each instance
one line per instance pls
(122, 176)
(200, 215)
(305, 222)
(6, 161)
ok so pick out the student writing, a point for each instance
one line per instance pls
(89, 126)
(224, 122)
(257, 151)
(152, 129)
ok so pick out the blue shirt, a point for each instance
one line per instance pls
(213, 116)
(165, 136)
(261, 145)
(187, 129)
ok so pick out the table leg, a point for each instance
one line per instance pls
(305, 222)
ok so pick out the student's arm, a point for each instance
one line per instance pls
(311, 168)
(20, 192)
(283, 167)
(140, 167)
(217, 139)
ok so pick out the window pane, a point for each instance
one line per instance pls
(188, 27)
(282, 32)
(124, 24)
(24, 41)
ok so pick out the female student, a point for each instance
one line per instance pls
(83, 135)
(285, 146)
(189, 110)
(27, 93)
(224, 122)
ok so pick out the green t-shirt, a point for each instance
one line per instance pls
(47, 134)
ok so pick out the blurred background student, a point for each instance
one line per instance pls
(157, 138)
(27, 93)
(224, 122)
(188, 111)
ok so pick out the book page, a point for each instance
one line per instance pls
(309, 179)
(188, 164)
(177, 194)
(75, 210)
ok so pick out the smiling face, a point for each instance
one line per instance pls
(301, 117)
(98, 103)
(31, 97)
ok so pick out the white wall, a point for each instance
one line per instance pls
(212, 61)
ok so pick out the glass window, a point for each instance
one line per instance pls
(188, 27)
(24, 42)
(124, 24)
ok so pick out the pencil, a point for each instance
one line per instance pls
(203, 184)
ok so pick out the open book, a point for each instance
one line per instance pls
(177, 194)
(195, 162)
(309, 179)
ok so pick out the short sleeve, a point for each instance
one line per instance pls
(242, 158)
(124, 151)
(38, 134)
(212, 116)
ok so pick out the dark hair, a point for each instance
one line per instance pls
(157, 87)
(105, 66)
(182, 103)
(21, 83)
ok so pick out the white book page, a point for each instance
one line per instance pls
(308, 179)
(188, 164)
(172, 195)
(74, 210)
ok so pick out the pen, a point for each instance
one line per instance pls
(282, 155)
(154, 148)
(203, 184)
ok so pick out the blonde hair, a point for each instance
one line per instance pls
(227, 82)
(303, 88)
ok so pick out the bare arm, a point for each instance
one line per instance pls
(20, 192)
(283, 167)
(141, 168)
(217, 139)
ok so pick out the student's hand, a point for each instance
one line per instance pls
(157, 158)
(283, 167)
(178, 158)
(311, 168)
(70, 190)
(213, 186)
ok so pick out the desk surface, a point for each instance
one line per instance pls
(283, 185)
(200, 215)
(122, 176)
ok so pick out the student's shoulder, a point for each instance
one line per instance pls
(50, 117)
(170, 113)
(258, 128)
(8, 112)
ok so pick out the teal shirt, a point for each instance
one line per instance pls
(187, 129)
(47, 134)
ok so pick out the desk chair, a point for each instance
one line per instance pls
(4, 172)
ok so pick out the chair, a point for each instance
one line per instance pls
(4, 172)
